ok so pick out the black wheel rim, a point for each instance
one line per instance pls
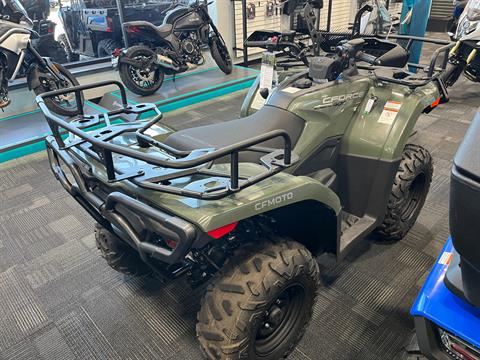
(280, 320)
(145, 78)
(416, 192)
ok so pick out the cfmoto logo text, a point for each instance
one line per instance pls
(273, 201)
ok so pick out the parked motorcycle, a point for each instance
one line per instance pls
(464, 57)
(17, 55)
(468, 21)
(171, 48)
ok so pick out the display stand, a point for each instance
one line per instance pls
(24, 133)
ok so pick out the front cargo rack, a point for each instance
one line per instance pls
(158, 173)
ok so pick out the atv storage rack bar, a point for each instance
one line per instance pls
(157, 173)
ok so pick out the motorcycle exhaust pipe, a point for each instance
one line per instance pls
(191, 66)
(165, 61)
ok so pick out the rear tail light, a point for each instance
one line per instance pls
(133, 29)
(435, 103)
(172, 244)
(116, 52)
(457, 348)
(221, 231)
(109, 24)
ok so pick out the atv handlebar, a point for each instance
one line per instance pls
(298, 53)
(260, 44)
(273, 45)
(373, 60)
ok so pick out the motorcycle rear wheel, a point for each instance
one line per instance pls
(141, 81)
(60, 105)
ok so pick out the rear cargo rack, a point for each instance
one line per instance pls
(157, 173)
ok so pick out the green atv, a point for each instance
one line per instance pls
(245, 205)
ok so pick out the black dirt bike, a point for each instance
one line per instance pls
(171, 48)
(17, 55)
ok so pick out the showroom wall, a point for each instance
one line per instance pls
(228, 17)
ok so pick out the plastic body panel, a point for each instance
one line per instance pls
(464, 211)
(440, 306)
(369, 144)
(278, 191)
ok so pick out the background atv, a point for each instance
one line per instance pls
(45, 44)
(247, 204)
(92, 27)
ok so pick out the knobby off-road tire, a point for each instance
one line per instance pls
(274, 282)
(119, 256)
(106, 47)
(52, 49)
(452, 73)
(410, 189)
(71, 56)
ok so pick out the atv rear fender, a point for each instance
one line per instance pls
(271, 196)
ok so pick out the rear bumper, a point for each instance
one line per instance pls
(108, 211)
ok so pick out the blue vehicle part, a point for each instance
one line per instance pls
(416, 25)
(463, 276)
(439, 313)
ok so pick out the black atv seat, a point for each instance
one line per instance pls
(163, 30)
(219, 135)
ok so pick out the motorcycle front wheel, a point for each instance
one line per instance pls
(220, 54)
(143, 80)
(62, 105)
